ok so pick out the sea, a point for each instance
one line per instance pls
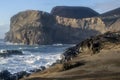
(33, 57)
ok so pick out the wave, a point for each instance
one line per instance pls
(33, 56)
(10, 43)
(59, 44)
(27, 62)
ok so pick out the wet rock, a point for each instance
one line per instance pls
(6, 53)
(5, 75)
(20, 75)
(42, 67)
(35, 70)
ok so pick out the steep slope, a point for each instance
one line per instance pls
(93, 59)
(73, 12)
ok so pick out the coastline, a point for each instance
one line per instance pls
(87, 64)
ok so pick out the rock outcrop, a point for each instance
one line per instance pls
(93, 45)
(74, 12)
(6, 53)
(6, 75)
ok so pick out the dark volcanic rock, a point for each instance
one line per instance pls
(6, 75)
(6, 53)
(73, 12)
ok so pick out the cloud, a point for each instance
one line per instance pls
(106, 5)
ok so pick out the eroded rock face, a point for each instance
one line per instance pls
(27, 27)
(73, 12)
(75, 30)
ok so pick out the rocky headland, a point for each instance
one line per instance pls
(38, 27)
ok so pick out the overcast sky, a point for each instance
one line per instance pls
(10, 7)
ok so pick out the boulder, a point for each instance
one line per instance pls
(6, 53)
(6, 75)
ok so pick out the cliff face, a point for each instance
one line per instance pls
(73, 12)
(37, 27)
(75, 30)
(27, 27)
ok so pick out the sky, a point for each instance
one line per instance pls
(8, 8)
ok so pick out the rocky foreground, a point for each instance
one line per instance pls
(96, 58)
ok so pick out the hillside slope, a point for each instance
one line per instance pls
(73, 12)
(93, 59)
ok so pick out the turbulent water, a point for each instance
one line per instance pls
(33, 56)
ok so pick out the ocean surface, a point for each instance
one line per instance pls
(33, 56)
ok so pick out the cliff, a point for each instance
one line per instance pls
(73, 12)
(27, 27)
(92, 59)
(38, 27)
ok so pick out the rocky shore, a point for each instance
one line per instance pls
(85, 61)
(92, 59)
(6, 75)
(97, 37)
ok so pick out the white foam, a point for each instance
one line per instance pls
(30, 60)
(36, 47)
(59, 44)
